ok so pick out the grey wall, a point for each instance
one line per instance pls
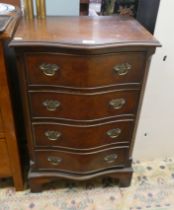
(62, 7)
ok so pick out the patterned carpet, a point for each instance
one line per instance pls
(152, 189)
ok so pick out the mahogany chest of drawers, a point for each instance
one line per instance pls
(82, 81)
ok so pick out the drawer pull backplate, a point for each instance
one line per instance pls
(117, 103)
(49, 69)
(51, 105)
(114, 133)
(54, 160)
(53, 135)
(122, 69)
(111, 158)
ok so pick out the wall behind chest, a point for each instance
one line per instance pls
(62, 7)
(155, 133)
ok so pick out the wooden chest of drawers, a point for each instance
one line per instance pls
(9, 153)
(82, 82)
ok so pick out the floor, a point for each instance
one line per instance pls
(152, 188)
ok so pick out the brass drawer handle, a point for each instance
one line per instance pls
(54, 160)
(111, 158)
(114, 133)
(117, 103)
(49, 69)
(53, 135)
(51, 105)
(122, 69)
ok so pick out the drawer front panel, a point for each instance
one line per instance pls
(85, 71)
(81, 163)
(83, 107)
(83, 137)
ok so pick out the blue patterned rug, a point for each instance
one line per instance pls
(152, 188)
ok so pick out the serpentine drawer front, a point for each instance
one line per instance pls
(82, 88)
(64, 105)
(81, 163)
(84, 70)
(77, 136)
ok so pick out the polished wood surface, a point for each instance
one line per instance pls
(78, 106)
(70, 133)
(5, 168)
(1, 127)
(82, 90)
(93, 32)
(81, 162)
(9, 154)
(93, 70)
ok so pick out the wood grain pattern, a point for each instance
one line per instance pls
(78, 106)
(1, 126)
(93, 33)
(80, 162)
(82, 137)
(10, 165)
(85, 89)
(5, 169)
(84, 71)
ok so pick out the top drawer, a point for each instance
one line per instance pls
(84, 71)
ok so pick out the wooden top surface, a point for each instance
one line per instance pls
(83, 32)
